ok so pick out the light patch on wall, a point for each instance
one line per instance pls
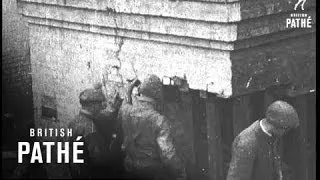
(48, 107)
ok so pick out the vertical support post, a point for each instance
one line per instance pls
(227, 134)
(242, 114)
(301, 165)
(213, 118)
(311, 134)
(185, 114)
(200, 136)
(268, 99)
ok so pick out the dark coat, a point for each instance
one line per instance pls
(102, 149)
(255, 157)
(148, 140)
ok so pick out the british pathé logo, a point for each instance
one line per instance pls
(299, 19)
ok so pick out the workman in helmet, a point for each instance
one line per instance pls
(148, 143)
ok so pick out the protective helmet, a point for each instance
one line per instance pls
(280, 114)
(151, 87)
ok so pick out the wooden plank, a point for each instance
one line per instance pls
(200, 136)
(256, 101)
(213, 118)
(311, 136)
(227, 131)
(301, 143)
(269, 97)
(185, 114)
(226, 125)
(242, 114)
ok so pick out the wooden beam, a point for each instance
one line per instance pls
(214, 118)
(242, 114)
(186, 116)
(269, 97)
(301, 142)
(311, 126)
(200, 136)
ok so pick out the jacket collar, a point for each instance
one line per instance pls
(266, 137)
(263, 129)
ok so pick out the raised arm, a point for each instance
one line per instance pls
(133, 84)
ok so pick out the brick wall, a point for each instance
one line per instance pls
(16, 68)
